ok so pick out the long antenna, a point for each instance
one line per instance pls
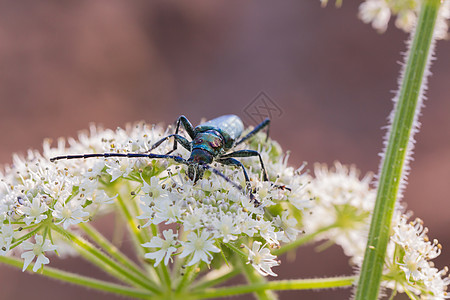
(177, 159)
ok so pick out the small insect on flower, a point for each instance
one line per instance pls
(210, 142)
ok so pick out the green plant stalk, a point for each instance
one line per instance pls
(138, 235)
(393, 166)
(93, 259)
(106, 260)
(82, 280)
(130, 211)
(208, 282)
(167, 276)
(26, 236)
(301, 284)
(250, 273)
(101, 241)
(279, 285)
(139, 238)
(187, 277)
(236, 249)
(254, 278)
(301, 241)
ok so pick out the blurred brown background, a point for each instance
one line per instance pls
(64, 64)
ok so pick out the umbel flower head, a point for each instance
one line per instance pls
(379, 12)
(194, 222)
(199, 226)
(343, 204)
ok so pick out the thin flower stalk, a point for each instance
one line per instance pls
(213, 279)
(106, 245)
(83, 280)
(138, 281)
(277, 285)
(253, 278)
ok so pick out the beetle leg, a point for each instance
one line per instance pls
(235, 162)
(187, 126)
(237, 186)
(248, 153)
(257, 129)
(178, 138)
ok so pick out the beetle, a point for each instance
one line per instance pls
(210, 141)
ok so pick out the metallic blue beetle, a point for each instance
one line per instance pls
(210, 142)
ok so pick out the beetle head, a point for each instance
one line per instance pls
(198, 158)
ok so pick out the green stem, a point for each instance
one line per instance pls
(130, 211)
(141, 236)
(26, 236)
(87, 255)
(138, 235)
(298, 284)
(100, 240)
(208, 281)
(82, 280)
(411, 295)
(400, 137)
(301, 241)
(107, 261)
(186, 278)
(167, 276)
(231, 246)
(253, 278)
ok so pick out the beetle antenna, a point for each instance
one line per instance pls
(176, 158)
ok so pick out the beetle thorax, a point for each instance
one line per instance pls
(210, 141)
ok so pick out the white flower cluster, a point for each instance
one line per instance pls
(412, 254)
(196, 219)
(343, 204)
(379, 12)
(205, 222)
(212, 212)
